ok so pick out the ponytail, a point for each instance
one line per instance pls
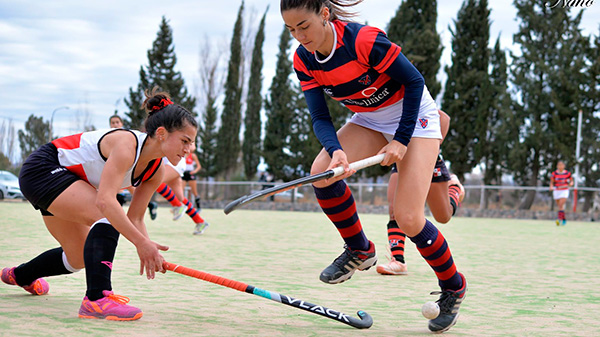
(163, 112)
(337, 8)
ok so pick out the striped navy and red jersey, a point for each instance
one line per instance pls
(80, 154)
(366, 72)
(561, 179)
(362, 55)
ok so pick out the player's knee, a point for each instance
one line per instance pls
(318, 166)
(407, 220)
(442, 218)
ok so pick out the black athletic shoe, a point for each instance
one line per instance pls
(152, 207)
(346, 264)
(449, 303)
(197, 203)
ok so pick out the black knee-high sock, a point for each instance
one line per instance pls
(98, 254)
(49, 263)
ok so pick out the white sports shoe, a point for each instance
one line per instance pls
(178, 212)
(200, 228)
(394, 267)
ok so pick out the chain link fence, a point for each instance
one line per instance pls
(478, 197)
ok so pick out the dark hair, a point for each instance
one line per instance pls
(115, 116)
(336, 7)
(163, 112)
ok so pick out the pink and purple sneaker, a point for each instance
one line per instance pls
(112, 307)
(38, 287)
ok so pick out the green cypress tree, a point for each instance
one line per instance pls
(211, 86)
(414, 29)
(543, 35)
(467, 93)
(136, 115)
(5, 163)
(228, 137)
(159, 72)
(501, 135)
(303, 144)
(161, 68)
(207, 133)
(590, 151)
(567, 79)
(252, 124)
(35, 134)
(279, 107)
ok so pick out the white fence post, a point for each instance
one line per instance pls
(482, 197)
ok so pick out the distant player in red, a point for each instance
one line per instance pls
(361, 68)
(73, 181)
(192, 167)
(560, 181)
(172, 190)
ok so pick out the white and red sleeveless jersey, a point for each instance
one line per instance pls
(80, 154)
(180, 167)
(189, 162)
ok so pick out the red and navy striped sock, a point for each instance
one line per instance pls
(434, 248)
(561, 215)
(168, 194)
(337, 202)
(396, 238)
(192, 212)
(453, 193)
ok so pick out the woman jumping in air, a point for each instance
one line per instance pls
(394, 114)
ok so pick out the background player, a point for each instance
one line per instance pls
(560, 181)
(445, 194)
(172, 190)
(192, 166)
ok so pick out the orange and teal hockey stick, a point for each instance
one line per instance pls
(364, 322)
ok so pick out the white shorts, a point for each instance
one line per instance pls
(560, 194)
(180, 167)
(386, 119)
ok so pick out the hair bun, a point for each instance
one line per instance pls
(163, 103)
(156, 100)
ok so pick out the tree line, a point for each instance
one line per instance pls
(512, 113)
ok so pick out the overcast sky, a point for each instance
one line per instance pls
(86, 54)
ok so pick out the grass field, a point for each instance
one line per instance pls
(526, 278)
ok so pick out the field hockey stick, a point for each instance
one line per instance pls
(357, 165)
(364, 322)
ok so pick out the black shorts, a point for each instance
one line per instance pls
(187, 176)
(43, 179)
(440, 171)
